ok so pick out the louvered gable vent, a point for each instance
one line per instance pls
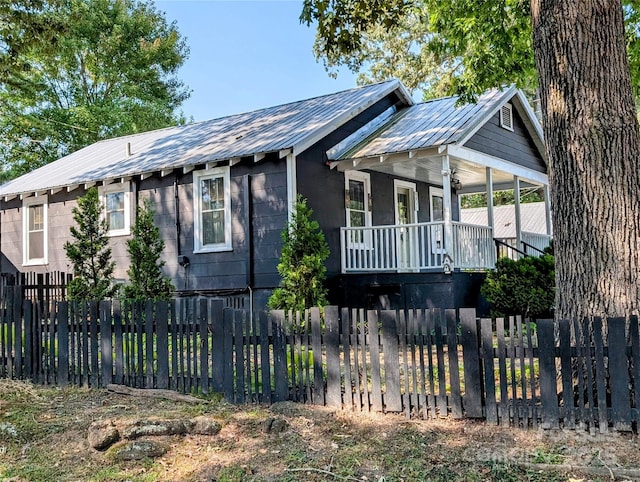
(506, 117)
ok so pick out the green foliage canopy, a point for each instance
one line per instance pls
(301, 264)
(147, 281)
(78, 71)
(441, 47)
(90, 253)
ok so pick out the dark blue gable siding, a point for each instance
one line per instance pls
(516, 146)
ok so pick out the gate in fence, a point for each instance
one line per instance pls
(425, 363)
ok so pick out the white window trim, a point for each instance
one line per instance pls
(25, 228)
(506, 125)
(128, 205)
(366, 179)
(216, 172)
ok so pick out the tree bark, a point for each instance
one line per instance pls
(593, 144)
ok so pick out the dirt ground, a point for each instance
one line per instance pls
(43, 437)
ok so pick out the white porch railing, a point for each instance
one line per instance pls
(537, 240)
(473, 246)
(414, 247)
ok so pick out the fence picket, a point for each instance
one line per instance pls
(346, 353)
(548, 387)
(332, 342)
(238, 336)
(392, 395)
(106, 346)
(600, 375)
(162, 348)
(619, 384)
(454, 374)
(62, 316)
(503, 407)
(371, 400)
(316, 345)
(564, 333)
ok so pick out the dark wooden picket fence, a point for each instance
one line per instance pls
(425, 363)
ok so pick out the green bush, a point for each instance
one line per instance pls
(523, 287)
(301, 266)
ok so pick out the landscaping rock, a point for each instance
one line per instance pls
(145, 428)
(139, 450)
(103, 434)
(274, 425)
(204, 426)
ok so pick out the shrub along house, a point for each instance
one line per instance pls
(382, 174)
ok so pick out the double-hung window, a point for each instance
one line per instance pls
(212, 210)
(116, 202)
(357, 203)
(35, 231)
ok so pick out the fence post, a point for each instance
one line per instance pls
(548, 387)
(106, 344)
(162, 347)
(62, 311)
(280, 374)
(316, 344)
(392, 396)
(619, 382)
(332, 341)
(471, 362)
(454, 374)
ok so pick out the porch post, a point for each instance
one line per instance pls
(547, 208)
(516, 196)
(447, 214)
(490, 221)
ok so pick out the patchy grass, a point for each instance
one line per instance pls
(43, 438)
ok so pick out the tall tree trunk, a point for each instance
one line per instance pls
(593, 143)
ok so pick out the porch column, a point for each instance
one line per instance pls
(516, 197)
(447, 214)
(490, 221)
(547, 209)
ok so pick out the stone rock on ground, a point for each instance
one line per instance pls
(204, 426)
(274, 425)
(145, 428)
(139, 450)
(103, 434)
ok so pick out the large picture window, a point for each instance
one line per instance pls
(212, 210)
(35, 231)
(116, 202)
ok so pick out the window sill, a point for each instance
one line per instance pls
(212, 249)
(120, 232)
(36, 262)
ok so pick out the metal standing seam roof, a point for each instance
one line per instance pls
(289, 126)
(428, 124)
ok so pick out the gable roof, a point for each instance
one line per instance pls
(440, 122)
(295, 126)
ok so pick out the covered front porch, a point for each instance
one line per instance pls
(444, 243)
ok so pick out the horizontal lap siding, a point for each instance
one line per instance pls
(516, 146)
(206, 271)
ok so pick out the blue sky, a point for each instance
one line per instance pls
(246, 55)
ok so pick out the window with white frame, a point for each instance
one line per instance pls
(358, 196)
(116, 202)
(35, 231)
(212, 210)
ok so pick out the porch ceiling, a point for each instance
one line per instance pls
(426, 166)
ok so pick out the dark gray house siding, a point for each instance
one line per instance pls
(499, 142)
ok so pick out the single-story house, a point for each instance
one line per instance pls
(381, 172)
